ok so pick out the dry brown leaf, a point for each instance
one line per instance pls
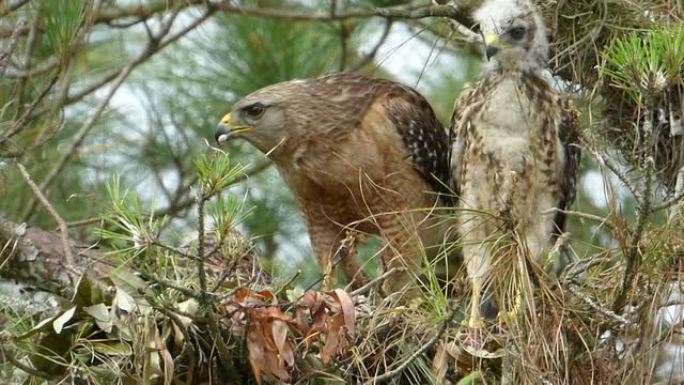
(271, 352)
(332, 339)
(328, 318)
(348, 310)
(256, 353)
(340, 324)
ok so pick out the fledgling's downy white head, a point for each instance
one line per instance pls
(514, 33)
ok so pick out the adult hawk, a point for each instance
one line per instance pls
(514, 157)
(359, 154)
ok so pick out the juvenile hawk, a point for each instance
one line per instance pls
(359, 154)
(514, 157)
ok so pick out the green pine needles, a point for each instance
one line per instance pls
(646, 63)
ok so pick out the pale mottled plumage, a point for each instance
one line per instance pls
(359, 154)
(514, 154)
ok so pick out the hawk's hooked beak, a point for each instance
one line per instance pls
(491, 48)
(227, 130)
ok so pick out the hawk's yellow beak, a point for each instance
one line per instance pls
(490, 45)
(227, 130)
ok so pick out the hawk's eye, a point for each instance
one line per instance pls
(254, 111)
(517, 33)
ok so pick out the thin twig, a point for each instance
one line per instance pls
(80, 136)
(603, 220)
(427, 345)
(14, 40)
(19, 123)
(165, 283)
(288, 283)
(154, 302)
(367, 58)
(201, 274)
(616, 170)
(153, 47)
(375, 281)
(25, 368)
(46, 65)
(84, 222)
(459, 15)
(457, 10)
(607, 312)
(9, 8)
(668, 203)
(175, 250)
(63, 230)
(30, 48)
(633, 256)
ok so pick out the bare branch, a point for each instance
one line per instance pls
(201, 273)
(19, 123)
(179, 205)
(411, 11)
(374, 51)
(425, 346)
(6, 9)
(55, 215)
(457, 10)
(603, 221)
(374, 282)
(609, 164)
(678, 196)
(594, 305)
(9, 356)
(143, 12)
(14, 39)
(152, 48)
(30, 47)
(459, 15)
(633, 257)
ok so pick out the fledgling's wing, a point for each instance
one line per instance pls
(569, 133)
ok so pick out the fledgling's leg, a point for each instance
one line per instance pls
(477, 258)
(477, 261)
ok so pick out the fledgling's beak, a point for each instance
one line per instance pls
(227, 130)
(491, 47)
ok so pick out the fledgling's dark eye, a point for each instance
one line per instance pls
(254, 111)
(517, 33)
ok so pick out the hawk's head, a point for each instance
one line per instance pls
(514, 33)
(261, 118)
(297, 111)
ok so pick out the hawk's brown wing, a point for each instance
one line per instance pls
(423, 134)
(349, 96)
(464, 105)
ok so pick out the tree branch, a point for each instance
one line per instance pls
(6, 9)
(64, 231)
(368, 58)
(14, 39)
(35, 257)
(154, 46)
(425, 346)
(459, 12)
